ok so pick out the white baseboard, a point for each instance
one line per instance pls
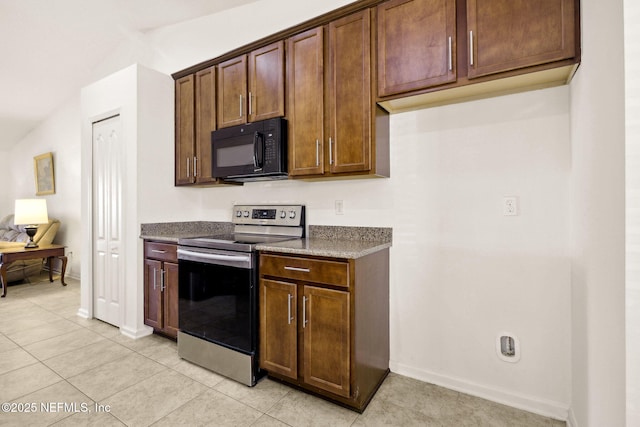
(136, 333)
(547, 408)
(84, 313)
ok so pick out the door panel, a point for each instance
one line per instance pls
(108, 274)
(305, 103)
(152, 294)
(170, 294)
(185, 130)
(205, 107)
(327, 349)
(278, 330)
(266, 82)
(350, 94)
(232, 92)
(510, 34)
(416, 45)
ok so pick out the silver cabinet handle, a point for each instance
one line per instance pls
(250, 109)
(162, 280)
(471, 48)
(317, 152)
(155, 276)
(304, 312)
(188, 169)
(240, 105)
(195, 166)
(450, 55)
(330, 151)
(304, 270)
(289, 318)
(156, 251)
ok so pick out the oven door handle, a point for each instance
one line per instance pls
(214, 257)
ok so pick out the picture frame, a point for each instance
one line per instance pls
(43, 169)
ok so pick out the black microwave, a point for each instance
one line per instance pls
(251, 152)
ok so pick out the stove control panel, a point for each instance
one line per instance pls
(280, 215)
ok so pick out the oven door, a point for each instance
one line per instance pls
(218, 297)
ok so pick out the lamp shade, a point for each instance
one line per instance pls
(30, 212)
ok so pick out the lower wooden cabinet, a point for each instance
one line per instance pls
(324, 324)
(161, 287)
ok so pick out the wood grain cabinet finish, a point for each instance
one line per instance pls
(335, 129)
(195, 120)
(324, 324)
(266, 82)
(251, 87)
(185, 130)
(416, 45)
(305, 102)
(510, 34)
(161, 287)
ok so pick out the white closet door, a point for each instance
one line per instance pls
(108, 265)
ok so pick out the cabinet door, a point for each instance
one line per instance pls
(349, 97)
(232, 92)
(170, 293)
(185, 130)
(305, 103)
(205, 113)
(152, 293)
(278, 330)
(327, 332)
(266, 82)
(509, 34)
(416, 45)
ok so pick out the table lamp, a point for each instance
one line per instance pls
(30, 213)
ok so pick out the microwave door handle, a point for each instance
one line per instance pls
(258, 150)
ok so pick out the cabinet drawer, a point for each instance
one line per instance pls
(306, 269)
(161, 251)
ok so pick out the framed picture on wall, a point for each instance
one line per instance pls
(43, 168)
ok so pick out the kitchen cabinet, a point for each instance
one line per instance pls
(251, 87)
(195, 120)
(335, 129)
(161, 287)
(433, 52)
(416, 45)
(324, 324)
(509, 34)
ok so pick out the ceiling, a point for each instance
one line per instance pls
(49, 48)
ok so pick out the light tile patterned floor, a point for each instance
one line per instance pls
(78, 368)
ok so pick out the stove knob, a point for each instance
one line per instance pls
(283, 214)
(292, 214)
(246, 214)
(238, 214)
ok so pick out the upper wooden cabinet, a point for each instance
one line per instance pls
(432, 52)
(266, 82)
(305, 102)
(509, 34)
(252, 92)
(232, 92)
(334, 127)
(185, 130)
(195, 120)
(416, 45)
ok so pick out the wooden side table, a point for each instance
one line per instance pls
(9, 255)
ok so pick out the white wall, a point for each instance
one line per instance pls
(59, 134)
(632, 137)
(598, 209)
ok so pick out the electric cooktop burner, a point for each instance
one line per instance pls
(255, 225)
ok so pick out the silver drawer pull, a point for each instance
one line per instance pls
(156, 251)
(289, 317)
(304, 270)
(304, 312)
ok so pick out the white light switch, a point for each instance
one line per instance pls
(339, 207)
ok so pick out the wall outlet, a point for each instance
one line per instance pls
(339, 207)
(510, 206)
